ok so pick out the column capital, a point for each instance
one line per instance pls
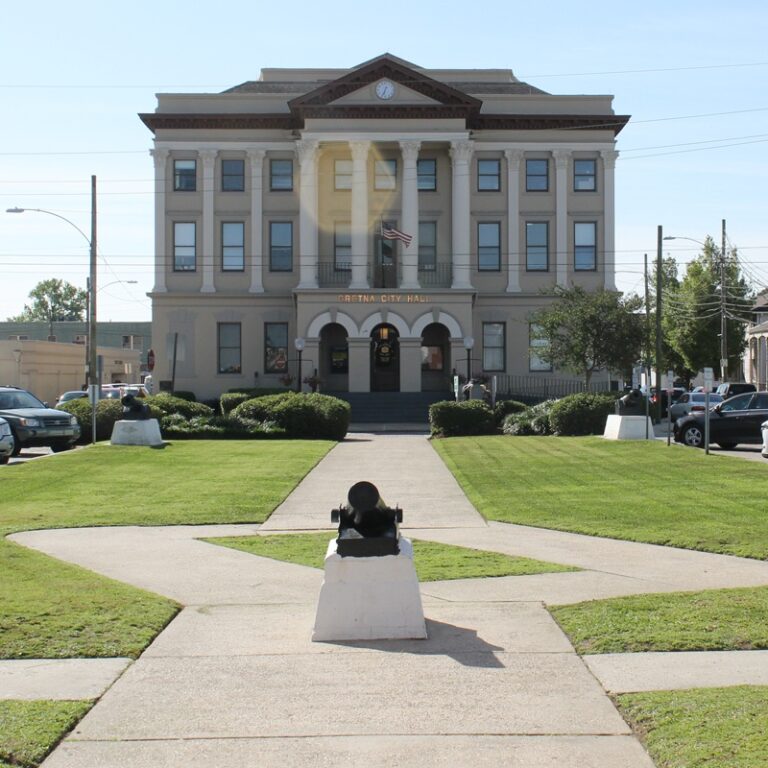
(306, 151)
(360, 150)
(160, 156)
(562, 156)
(410, 150)
(609, 157)
(208, 156)
(514, 156)
(256, 155)
(461, 151)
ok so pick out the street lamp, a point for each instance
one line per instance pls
(469, 342)
(299, 343)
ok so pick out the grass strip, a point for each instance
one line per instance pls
(434, 561)
(29, 730)
(618, 489)
(701, 728)
(713, 620)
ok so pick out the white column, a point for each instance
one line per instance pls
(461, 155)
(609, 213)
(409, 275)
(562, 156)
(514, 251)
(306, 152)
(256, 159)
(208, 157)
(160, 156)
(360, 150)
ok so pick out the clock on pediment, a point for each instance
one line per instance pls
(385, 89)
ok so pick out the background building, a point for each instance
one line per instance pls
(382, 226)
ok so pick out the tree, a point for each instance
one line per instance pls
(586, 332)
(693, 310)
(53, 301)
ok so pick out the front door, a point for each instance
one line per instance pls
(385, 359)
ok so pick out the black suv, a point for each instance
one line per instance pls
(33, 423)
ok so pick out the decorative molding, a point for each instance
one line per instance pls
(548, 122)
(410, 150)
(561, 156)
(461, 151)
(609, 157)
(208, 156)
(360, 151)
(514, 158)
(256, 156)
(306, 151)
(213, 122)
(160, 156)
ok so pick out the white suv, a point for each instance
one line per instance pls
(6, 441)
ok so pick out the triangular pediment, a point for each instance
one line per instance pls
(357, 88)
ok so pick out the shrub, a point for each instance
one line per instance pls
(468, 417)
(504, 408)
(312, 416)
(534, 420)
(185, 395)
(107, 413)
(230, 400)
(165, 404)
(584, 413)
(217, 427)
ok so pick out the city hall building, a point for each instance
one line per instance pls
(384, 226)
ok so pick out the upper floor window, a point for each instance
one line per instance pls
(536, 246)
(584, 175)
(585, 245)
(281, 175)
(488, 175)
(426, 171)
(489, 246)
(280, 246)
(427, 246)
(233, 246)
(536, 175)
(342, 247)
(494, 346)
(184, 246)
(229, 348)
(184, 175)
(385, 174)
(342, 174)
(232, 175)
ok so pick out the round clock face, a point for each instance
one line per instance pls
(385, 89)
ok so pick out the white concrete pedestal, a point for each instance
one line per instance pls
(627, 428)
(138, 432)
(370, 598)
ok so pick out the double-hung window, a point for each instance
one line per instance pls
(536, 175)
(184, 175)
(232, 175)
(489, 246)
(536, 246)
(385, 174)
(488, 175)
(585, 245)
(342, 174)
(232, 246)
(584, 175)
(275, 347)
(342, 247)
(536, 343)
(426, 173)
(184, 250)
(280, 246)
(427, 246)
(494, 346)
(281, 175)
(229, 348)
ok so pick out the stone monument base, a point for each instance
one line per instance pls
(370, 598)
(136, 432)
(627, 428)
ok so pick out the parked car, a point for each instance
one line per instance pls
(33, 423)
(692, 402)
(736, 420)
(7, 442)
(764, 430)
(73, 394)
(731, 388)
(676, 393)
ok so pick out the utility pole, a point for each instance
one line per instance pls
(647, 342)
(659, 238)
(92, 342)
(723, 338)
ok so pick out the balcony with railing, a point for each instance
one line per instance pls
(333, 274)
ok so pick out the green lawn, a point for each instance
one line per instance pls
(620, 489)
(30, 729)
(434, 562)
(701, 728)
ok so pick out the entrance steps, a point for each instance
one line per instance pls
(391, 410)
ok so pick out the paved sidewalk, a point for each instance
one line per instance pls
(235, 679)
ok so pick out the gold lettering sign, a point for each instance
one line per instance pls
(384, 298)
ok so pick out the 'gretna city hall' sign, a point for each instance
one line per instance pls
(384, 298)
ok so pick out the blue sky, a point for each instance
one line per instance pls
(74, 76)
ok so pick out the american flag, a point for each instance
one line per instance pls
(390, 233)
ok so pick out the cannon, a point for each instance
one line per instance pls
(134, 409)
(367, 526)
(632, 404)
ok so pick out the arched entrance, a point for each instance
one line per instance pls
(334, 358)
(435, 358)
(385, 359)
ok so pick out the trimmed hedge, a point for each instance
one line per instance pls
(217, 427)
(165, 404)
(184, 395)
(504, 408)
(534, 420)
(304, 415)
(584, 413)
(108, 411)
(230, 400)
(467, 417)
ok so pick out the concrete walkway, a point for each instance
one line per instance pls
(235, 680)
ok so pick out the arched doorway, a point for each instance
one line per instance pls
(334, 358)
(435, 358)
(385, 359)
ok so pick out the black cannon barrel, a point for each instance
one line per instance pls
(367, 526)
(365, 497)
